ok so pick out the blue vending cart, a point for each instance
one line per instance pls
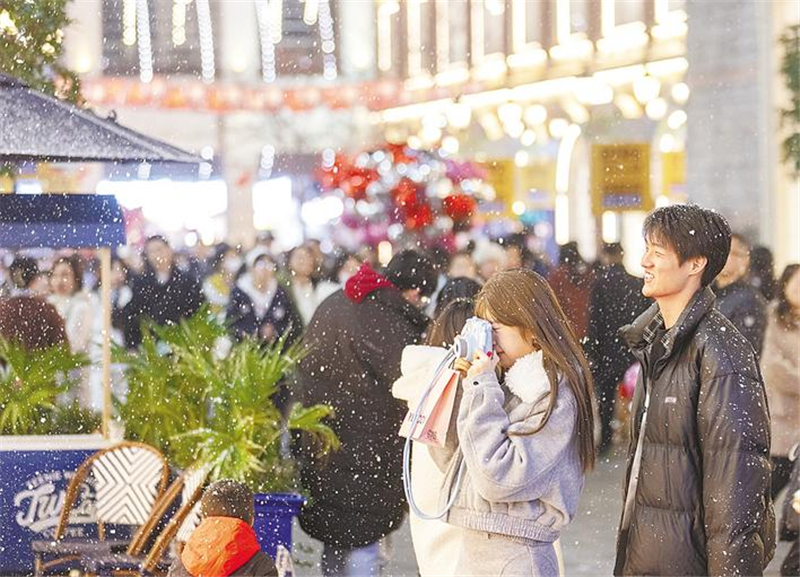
(35, 471)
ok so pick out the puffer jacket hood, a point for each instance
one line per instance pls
(219, 546)
(702, 503)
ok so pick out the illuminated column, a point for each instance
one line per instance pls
(239, 51)
(83, 39)
(731, 117)
(241, 144)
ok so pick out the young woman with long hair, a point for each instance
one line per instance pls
(526, 439)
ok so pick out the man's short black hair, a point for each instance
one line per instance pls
(692, 231)
(228, 498)
(612, 250)
(410, 269)
(156, 238)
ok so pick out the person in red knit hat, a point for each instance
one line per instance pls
(224, 543)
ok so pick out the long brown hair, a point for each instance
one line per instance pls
(449, 322)
(787, 314)
(523, 299)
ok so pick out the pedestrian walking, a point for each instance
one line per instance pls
(737, 299)
(780, 365)
(355, 341)
(616, 300)
(572, 281)
(527, 441)
(697, 489)
(225, 265)
(302, 283)
(163, 293)
(762, 272)
(259, 306)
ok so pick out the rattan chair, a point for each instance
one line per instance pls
(129, 480)
(138, 559)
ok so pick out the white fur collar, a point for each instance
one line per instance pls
(527, 378)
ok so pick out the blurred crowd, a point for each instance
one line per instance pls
(49, 297)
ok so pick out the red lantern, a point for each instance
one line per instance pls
(459, 207)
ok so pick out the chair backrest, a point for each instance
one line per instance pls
(192, 519)
(128, 479)
(184, 520)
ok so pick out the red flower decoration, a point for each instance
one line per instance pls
(459, 207)
(400, 154)
(405, 193)
(356, 182)
(418, 216)
(332, 177)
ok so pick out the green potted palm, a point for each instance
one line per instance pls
(33, 384)
(205, 401)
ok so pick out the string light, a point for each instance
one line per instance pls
(207, 65)
(145, 48)
(179, 22)
(129, 22)
(268, 66)
(311, 11)
(276, 20)
(326, 34)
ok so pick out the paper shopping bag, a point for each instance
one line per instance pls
(434, 416)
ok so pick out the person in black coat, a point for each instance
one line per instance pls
(355, 341)
(162, 293)
(697, 490)
(259, 306)
(737, 299)
(616, 301)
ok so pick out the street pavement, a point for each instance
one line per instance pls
(588, 543)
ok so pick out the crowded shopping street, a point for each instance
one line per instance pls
(399, 288)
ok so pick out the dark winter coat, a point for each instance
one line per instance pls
(573, 287)
(355, 348)
(259, 565)
(702, 505)
(746, 308)
(790, 520)
(616, 301)
(243, 320)
(180, 297)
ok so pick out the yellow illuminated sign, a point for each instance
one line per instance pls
(621, 177)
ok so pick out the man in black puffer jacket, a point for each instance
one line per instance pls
(697, 497)
(355, 341)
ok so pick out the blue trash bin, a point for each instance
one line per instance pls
(275, 513)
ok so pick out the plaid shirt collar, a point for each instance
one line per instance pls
(651, 330)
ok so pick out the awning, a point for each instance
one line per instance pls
(60, 221)
(39, 128)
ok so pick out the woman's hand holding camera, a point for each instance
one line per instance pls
(481, 363)
(461, 366)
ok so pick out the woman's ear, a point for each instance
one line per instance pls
(531, 338)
